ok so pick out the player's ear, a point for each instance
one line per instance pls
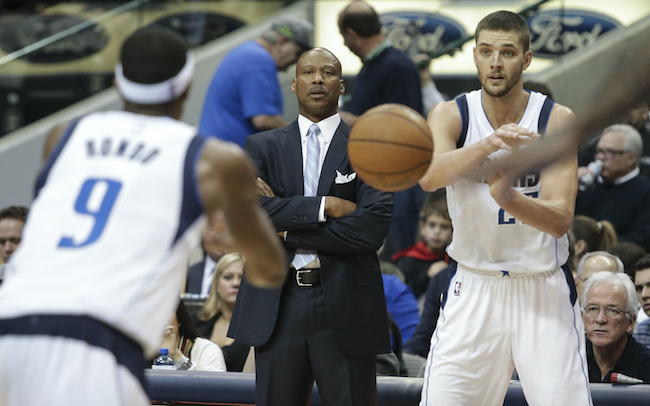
(528, 58)
(342, 87)
(293, 85)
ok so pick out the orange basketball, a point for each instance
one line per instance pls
(390, 147)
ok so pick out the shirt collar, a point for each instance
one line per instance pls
(377, 50)
(327, 126)
(623, 179)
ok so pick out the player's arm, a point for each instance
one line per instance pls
(553, 211)
(52, 138)
(227, 184)
(451, 164)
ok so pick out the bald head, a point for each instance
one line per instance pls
(594, 262)
(361, 18)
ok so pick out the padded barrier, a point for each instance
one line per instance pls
(239, 388)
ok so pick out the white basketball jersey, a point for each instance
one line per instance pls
(485, 236)
(108, 235)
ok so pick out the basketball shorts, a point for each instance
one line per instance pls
(68, 360)
(492, 322)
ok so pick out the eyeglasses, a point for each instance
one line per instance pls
(612, 313)
(611, 153)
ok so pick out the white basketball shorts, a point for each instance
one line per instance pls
(45, 366)
(490, 323)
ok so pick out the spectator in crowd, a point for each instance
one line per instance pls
(199, 276)
(331, 314)
(388, 75)
(420, 342)
(422, 261)
(594, 262)
(12, 220)
(244, 96)
(215, 316)
(642, 284)
(590, 235)
(402, 306)
(629, 253)
(187, 348)
(621, 194)
(638, 118)
(430, 93)
(609, 314)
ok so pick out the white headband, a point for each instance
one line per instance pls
(156, 93)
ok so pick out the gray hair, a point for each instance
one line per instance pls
(619, 264)
(616, 279)
(633, 140)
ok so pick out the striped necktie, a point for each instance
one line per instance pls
(310, 184)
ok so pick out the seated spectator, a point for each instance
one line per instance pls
(642, 284)
(609, 315)
(12, 220)
(189, 351)
(199, 276)
(630, 254)
(621, 195)
(593, 262)
(214, 319)
(402, 306)
(590, 235)
(420, 342)
(422, 261)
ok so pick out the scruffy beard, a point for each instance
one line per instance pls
(498, 93)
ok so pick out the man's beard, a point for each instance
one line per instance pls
(510, 83)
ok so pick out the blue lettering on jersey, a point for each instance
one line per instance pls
(503, 220)
(122, 149)
(101, 215)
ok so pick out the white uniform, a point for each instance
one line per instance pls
(102, 260)
(511, 303)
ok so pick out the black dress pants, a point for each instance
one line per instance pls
(302, 349)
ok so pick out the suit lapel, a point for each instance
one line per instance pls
(293, 159)
(335, 155)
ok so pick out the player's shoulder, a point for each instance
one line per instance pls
(445, 112)
(560, 115)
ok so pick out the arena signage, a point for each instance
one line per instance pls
(556, 32)
(417, 31)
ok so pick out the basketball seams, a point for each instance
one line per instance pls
(424, 133)
(391, 143)
(361, 168)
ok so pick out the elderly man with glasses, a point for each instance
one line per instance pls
(621, 194)
(609, 315)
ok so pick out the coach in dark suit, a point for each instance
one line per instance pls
(329, 320)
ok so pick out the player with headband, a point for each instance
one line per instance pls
(121, 200)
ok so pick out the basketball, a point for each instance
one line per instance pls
(390, 147)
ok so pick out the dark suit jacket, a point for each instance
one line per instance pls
(195, 278)
(350, 276)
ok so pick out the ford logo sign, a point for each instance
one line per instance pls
(416, 32)
(554, 33)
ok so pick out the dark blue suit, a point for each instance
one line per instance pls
(350, 297)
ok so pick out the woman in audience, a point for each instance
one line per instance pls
(217, 311)
(189, 351)
(590, 235)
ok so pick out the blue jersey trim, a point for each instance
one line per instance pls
(572, 285)
(94, 332)
(192, 206)
(544, 115)
(65, 136)
(464, 115)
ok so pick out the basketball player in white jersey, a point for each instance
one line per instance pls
(120, 202)
(510, 303)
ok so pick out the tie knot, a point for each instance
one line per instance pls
(314, 129)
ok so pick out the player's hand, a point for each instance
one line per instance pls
(336, 207)
(263, 189)
(511, 136)
(500, 183)
(218, 237)
(435, 268)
